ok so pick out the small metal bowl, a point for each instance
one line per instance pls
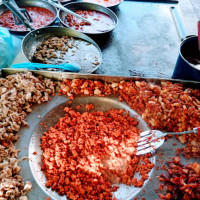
(75, 6)
(111, 6)
(63, 2)
(31, 3)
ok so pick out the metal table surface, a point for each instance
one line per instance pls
(144, 44)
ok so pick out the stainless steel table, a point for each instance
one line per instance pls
(144, 44)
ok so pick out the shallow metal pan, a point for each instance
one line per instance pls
(53, 116)
(75, 6)
(111, 7)
(31, 3)
(33, 39)
(28, 135)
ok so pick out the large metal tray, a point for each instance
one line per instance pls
(51, 111)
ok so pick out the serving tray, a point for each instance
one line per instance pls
(50, 112)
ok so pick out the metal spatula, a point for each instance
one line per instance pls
(9, 4)
(151, 140)
(72, 67)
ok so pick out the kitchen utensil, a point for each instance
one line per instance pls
(72, 67)
(178, 22)
(151, 140)
(10, 4)
(75, 6)
(76, 15)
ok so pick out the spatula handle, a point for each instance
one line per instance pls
(15, 9)
(197, 130)
(68, 11)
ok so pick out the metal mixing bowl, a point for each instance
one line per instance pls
(112, 6)
(75, 6)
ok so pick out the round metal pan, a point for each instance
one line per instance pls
(31, 3)
(33, 39)
(104, 104)
(111, 7)
(75, 6)
(62, 2)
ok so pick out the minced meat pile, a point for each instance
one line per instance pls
(166, 106)
(84, 154)
(181, 181)
(17, 94)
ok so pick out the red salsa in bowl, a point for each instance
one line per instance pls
(41, 17)
(101, 21)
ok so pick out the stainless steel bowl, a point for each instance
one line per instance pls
(75, 6)
(62, 2)
(86, 53)
(31, 3)
(113, 6)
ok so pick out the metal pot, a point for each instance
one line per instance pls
(184, 69)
